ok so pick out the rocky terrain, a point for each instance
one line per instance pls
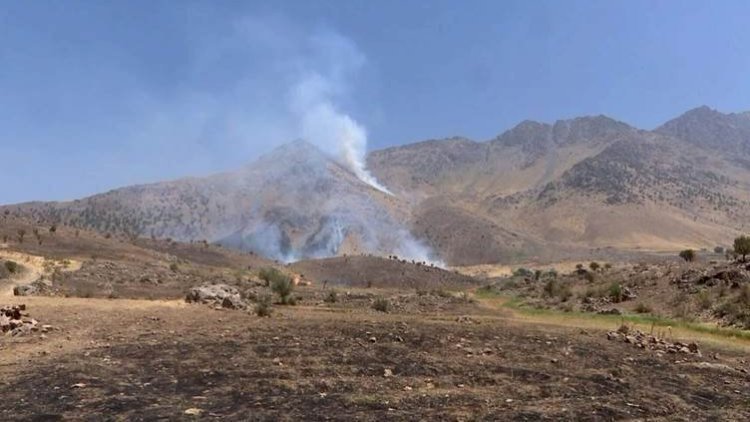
(713, 291)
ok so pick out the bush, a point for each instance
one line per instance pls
(615, 292)
(607, 266)
(554, 288)
(688, 255)
(523, 272)
(381, 304)
(594, 266)
(283, 286)
(719, 250)
(552, 273)
(642, 308)
(11, 266)
(270, 275)
(174, 267)
(264, 307)
(742, 246)
(704, 300)
(332, 297)
(589, 276)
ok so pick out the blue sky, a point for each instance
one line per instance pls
(100, 94)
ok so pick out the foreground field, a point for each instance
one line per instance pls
(147, 360)
(124, 345)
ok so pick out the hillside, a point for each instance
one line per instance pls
(294, 202)
(535, 192)
(589, 182)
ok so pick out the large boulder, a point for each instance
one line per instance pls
(220, 295)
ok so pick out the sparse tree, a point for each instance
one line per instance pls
(742, 246)
(594, 266)
(688, 255)
(53, 229)
(21, 233)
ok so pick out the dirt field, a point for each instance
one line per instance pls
(442, 352)
(149, 360)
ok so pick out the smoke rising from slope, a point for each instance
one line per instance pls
(320, 121)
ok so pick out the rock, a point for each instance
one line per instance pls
(219, 295)
(611, 311)
(627, 294)
(4, 323)
(194, 411)
(693, 347)
(387, 373)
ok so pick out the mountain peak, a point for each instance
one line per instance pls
(576, 130)
(707, 127)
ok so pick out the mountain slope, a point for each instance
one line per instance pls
(589, 182)
(291, 203)
(535, 192)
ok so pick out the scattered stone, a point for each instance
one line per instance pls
(194, 411)
(641, 340)
(465, 319)
(15, 322)
(387, 373)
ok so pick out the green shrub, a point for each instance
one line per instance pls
(381, 304)
(688, 255)
(742, 246)
(283, 286)
(270, 275)
(615, 292)
(264, 307)
(11, 266)
(554, 288)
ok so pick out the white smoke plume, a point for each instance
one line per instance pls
(322, 123)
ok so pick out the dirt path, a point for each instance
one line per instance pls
(34, 268)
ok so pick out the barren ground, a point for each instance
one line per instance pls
(148, 360)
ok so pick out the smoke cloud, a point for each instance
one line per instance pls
(312, 102)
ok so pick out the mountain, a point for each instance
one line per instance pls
(589, 182)
(538, 191)
(292, 203)
(710, 129)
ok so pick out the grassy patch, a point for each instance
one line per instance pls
(520, 306)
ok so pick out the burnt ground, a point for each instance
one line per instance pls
(153, 360)
(364, 270)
